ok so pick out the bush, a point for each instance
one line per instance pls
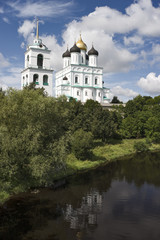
(81, 144)
(156, 137)
(141, 146)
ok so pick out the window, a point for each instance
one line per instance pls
(35, 78)
(78, 93)
(96, 81)
(40, 60)
(76, 79)
(28, 58)
(99, 94)
(86, 80)
(27, 76)
(86, 94)
(45, 80)
(92, 93)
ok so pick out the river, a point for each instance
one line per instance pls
(120, 201)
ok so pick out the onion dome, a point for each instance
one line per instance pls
(87, 58)
(92, 51)
(65, 78)
(75, 49)
(66, 54)
(81, 44)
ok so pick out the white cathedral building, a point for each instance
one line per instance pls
(81, 78)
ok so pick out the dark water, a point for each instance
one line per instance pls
(119, 201)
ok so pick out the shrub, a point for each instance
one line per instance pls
(81, 144)
(156, 137)
(141, 146)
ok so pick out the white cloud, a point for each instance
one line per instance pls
(40, 8)
(11, 78)
(27, 29)
(6, 20)
(119, 91)
(100, 27)
(133, 40)
(123, 94)
(3, 62)
(1, 10)
(156, 49)
(150, 84)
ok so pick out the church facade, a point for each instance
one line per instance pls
(81, 77)
(37, 66)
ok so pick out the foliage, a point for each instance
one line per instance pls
(116, 100)
(141, 146)
(81, 144)
(38, 132)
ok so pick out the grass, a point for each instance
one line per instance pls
(105, 153)
(101, 154)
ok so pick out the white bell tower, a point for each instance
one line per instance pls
(37, 67)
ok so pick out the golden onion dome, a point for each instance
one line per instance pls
(81, 44)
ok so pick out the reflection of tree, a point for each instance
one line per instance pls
(86, 214)
(41, 216)
(140, 168)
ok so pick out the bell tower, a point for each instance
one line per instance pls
(37, 67)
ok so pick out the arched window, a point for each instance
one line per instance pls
(96, 81)
(86, 80)
(76, 79)
(28, 58)
(78, 93)
(35, 78)
(40, 60)
(86, 94)
(45, 80)
(99, 94)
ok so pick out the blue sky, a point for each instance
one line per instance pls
(125, 32)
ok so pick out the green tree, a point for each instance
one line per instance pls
(81, 144)
(116, 100)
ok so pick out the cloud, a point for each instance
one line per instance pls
(126, 92)
(1, 10)
(100, 27)
(6, 20)
(144, 18)
(40, 8)
(3, 62)
(11, 78)
(26, 29)
(133, 40)
(113, 57)
(150, 84)
(103, 27)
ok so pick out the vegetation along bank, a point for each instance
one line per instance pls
(43, 138)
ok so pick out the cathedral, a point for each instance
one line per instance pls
(81, 78)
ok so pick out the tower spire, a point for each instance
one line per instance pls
(37, 35)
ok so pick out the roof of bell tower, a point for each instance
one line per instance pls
(37, 42)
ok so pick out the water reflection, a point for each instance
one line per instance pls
(87, 213)
(119, 201)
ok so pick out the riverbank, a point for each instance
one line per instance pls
(102, 154)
